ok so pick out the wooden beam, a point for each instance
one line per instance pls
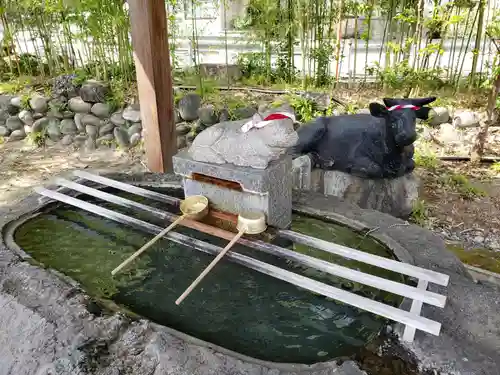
(148, 20)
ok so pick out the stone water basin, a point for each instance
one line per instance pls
(234, 307)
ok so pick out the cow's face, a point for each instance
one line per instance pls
(400, 124)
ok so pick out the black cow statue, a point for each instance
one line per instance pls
(375, 145)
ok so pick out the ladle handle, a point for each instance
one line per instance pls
(209, 267)
(146, 246)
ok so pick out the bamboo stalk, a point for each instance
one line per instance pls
(369, 25)
(456, 72)
(459, 75)
(477, 42)
(355, 62)
(339, 39)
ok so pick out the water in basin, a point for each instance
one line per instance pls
(234, 307)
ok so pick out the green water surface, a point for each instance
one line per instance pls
(234, 307)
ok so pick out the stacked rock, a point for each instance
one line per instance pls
(192, 117)
(80, 116)
(83, 120)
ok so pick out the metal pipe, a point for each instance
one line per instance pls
(314, 286)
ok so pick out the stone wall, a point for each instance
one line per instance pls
(395, 196)
(192, 117)
(81, 116)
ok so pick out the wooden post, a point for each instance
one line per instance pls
(148, 20)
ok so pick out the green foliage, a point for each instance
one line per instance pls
(463, 186)
(252, 64)
(351, 109)
(2, 140)
(81, 76)
(205, 88)
(305, 109)
(23, 65)
(471, 192)
(425, 159)
(102, 27)
(109, 143)
(420, 213)
(493, 29)
(14, 86)
(117, 94)
(37, 138)
(457, 179)
(256, 70)
(25, 101)
(403, 76)
(104, 22)
(496, 166)
(322, 56)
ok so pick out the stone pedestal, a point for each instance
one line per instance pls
(394, 196)
(268, 190)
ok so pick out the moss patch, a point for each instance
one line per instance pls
(478, 257)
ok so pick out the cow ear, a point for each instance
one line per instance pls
(389, 102)
(420, 102)
(378, 110)
(423, 113)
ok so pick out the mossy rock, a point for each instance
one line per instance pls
(483, 258)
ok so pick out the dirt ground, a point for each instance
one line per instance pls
(476, 206)
(461, 203)
(23, 166)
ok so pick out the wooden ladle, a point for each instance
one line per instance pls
(194, 207)
(249, 223)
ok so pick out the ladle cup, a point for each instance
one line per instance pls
(249, 223)
(194, 207)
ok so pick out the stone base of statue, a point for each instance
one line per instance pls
(395, 196)
(235, 189)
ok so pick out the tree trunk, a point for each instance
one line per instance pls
(478, 148)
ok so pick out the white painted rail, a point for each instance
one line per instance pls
(412, 319)
(375, 260)
(127, 187)
(333, 269)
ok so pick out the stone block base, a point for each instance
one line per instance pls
(393, 196)
(268, 190)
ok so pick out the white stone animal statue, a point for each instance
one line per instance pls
(251, 142)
